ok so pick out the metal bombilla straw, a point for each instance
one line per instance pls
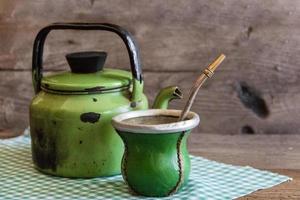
(207, 73)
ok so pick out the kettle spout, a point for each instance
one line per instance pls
(165, 96)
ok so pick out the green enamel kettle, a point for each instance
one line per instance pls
(70, 115)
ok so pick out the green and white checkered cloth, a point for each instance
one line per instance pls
(208, 180)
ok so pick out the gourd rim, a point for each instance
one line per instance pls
(120, 124)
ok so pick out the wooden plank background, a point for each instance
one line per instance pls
(255, 91)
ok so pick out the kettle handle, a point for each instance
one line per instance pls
(38, 47)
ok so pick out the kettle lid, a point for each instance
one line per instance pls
(87, 76)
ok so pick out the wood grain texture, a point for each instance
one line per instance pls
(285, 191)
(177, 39)
(7, 134)
(259, 151)
(173, 35)
(218, 104)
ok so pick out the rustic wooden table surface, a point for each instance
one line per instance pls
(276, 153)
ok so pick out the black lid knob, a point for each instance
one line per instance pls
(86, 62)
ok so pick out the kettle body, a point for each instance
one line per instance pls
(72, 135)
(70, 124)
